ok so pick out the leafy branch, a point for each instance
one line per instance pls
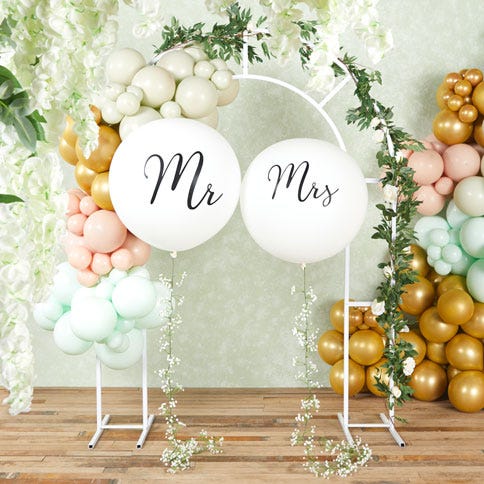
(225, 41)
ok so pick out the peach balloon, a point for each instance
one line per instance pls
(75, 223)
(104, 231)
(88, 205)
(428, 166)
(87, 278)
(101, 264)
(139, 249)
(122, 259)
(431, 201)
(72, 203)
(444, 186)
(72, 240)
(437, 145)
(79, 257)
(460, 161)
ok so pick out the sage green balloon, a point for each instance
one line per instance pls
(475, 280)
(455, 216)
(469, 196)
(121, 360)
(472, 237)
(425, 226)
(66, 340)
(463, 265)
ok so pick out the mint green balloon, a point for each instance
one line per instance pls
(472, 237)
(66, 340)
(425, 225)
(455, 216)
(454, 236)
(434, 252)
(442, 267)
(41, 319)
(94, 319)
(81, 294)
(124, 325)
(462, 266)
(104, 289)
(451, 253)
(125, 359)
(439, 237)
(134, 297)
(475, 280)
(65, 283)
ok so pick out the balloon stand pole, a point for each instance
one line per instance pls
(103, 422)
(387, 421)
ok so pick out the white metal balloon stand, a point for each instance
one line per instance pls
(103, 422)
(387, 421)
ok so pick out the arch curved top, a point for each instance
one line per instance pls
(305, 96)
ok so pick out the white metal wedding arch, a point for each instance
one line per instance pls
(387, 419)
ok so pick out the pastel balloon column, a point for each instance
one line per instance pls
(97, 240)
(109, 315)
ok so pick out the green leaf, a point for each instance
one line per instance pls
(6, 89)
(5, 198)
(25, 131)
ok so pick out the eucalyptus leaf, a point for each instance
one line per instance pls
(5, 198)
(25, 131)
(6, 89)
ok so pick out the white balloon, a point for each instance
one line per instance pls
(132, 123)
(303, 200)
(204, 69)
(228, 95)
(157, 83)
(222, 79)
(219, 64)
(66, 340)
(123, 64)
(196, 52)
(178, 62)
(128, 104)
(137, 91)
(210, 120)
(120, 360)
(110, 113)
(113, 90)
(197, 97)
(174, 183)
(170, 109)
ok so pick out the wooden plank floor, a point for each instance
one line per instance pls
(50, 443)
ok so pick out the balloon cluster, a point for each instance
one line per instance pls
(450, 329)
(437, 169)
(183, 83)
(366, 345)
(461, 100)
(108, 316)
(97, 240)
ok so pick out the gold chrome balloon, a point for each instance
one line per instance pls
(429, 381)
(474, 76)
(370, 320)
(434, 277)
(466, 391)
(100, 191)
(366, 347)
(69, 134)
(449, 129)
(433, 328)
(417, 297)
(372, 372)
(475, 325)
(463, 87)
(330, 346)
(84, 176)
(356, 377)
(465, 352)
(478, 97)
(67, 152)
(443, 95)
(451, 372)
(418, 262)
(451, 282)
(479, 131)
(468, 113)
(455, 306)
(451, 79)
(418, 344)
(336, 316)
(436, 353)
(455, 102)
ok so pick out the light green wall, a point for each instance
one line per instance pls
(238, 312)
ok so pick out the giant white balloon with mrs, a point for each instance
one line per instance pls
(303, 200)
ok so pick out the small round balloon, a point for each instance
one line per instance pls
(174, 183)
(466, 391)
(303, 200)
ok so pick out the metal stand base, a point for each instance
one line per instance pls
(103, 422)
(387, 424)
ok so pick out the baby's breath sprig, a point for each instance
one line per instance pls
(346, 457)
(177, 455)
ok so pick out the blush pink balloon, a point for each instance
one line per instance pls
(88, 206)
(72, 240)
(478, 148)
(87, 278)
(461, 161)
(75, 223)
(444, 185)
(139, 249)
(72, 203)
(101, 264)
(432, 202)
(428, 166)
(437, 145)
(79, 257)
(122, 259)
(104, 232)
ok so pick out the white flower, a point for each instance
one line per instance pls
(405, 329)
(408, 366)
(377, 307)
(388, 272)
(396, 392)
(378, 135)
(390, 193)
